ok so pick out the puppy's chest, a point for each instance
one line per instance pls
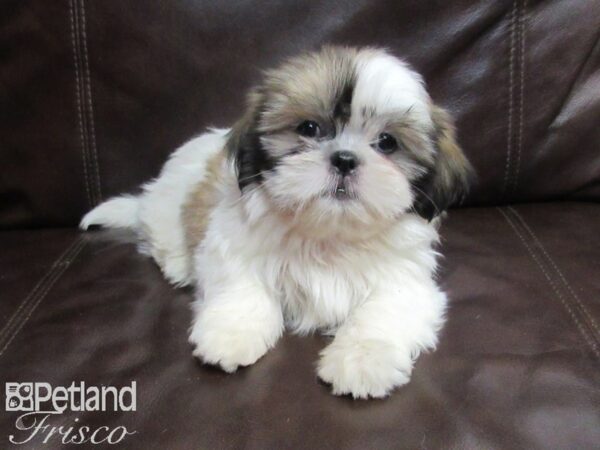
(319, 288)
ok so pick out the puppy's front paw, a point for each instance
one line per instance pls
(226, 347)
(364, 368)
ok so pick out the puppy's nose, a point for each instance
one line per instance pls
(344, 161)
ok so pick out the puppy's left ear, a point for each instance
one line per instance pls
(244, 146)
(449, 179)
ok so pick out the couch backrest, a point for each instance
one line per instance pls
(95, 94)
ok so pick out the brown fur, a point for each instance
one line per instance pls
(201, 201)
(449, 179)
(453, 169)
(307, 87)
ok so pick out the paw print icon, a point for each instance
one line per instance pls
(19, 397)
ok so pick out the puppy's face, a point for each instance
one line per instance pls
(347, 138)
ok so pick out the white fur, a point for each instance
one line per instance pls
(118, 212)
(378, 295)
(284, 255)
(389, 84)
(155, 214)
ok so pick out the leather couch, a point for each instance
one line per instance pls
(95, 94)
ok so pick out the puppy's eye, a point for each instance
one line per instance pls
(308, 128)
(386, 143)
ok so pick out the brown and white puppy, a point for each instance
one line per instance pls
(315, 212)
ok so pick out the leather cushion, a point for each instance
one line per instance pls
(97, 94)
(517, 365)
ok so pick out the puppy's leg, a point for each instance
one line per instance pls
(375, 349)
(237, 321)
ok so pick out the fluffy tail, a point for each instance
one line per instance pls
(117, 212)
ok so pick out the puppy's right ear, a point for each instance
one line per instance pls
(244, 146)
(449, 180)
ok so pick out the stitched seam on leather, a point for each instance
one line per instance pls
(32, 301)
(10, 324)
(511, 82)
(589, 340)
(591, 322)
(90, 106)
(78, 96)
(42, 280)
(521, 96)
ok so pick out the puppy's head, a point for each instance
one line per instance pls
(347, 138)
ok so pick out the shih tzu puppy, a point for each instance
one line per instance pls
(316, 211)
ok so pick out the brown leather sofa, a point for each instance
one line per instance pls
(95, 94)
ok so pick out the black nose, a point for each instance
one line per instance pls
(344, 161)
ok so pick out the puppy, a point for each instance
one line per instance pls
(314, 212)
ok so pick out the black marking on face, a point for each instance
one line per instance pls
(252, 161)
(423, 203)
(343, 110)
(245, 147)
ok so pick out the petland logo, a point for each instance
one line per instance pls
(39, 401)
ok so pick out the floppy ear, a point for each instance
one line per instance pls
(448, 180)
(244, 146)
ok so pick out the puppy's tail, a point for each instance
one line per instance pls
(117, 212)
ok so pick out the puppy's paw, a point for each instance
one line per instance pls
(176, 269)
(226, 347)
(364, 368)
